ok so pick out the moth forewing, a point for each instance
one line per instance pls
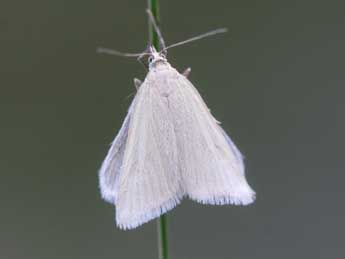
(150, 181)
(213, 171)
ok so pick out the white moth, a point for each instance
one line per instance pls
(169, 147)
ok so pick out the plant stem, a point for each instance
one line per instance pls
(162, 221)
(162, 237)
(153, 37)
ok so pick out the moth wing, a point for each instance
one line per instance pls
(149, 183)
(212, 167)
(111, 166)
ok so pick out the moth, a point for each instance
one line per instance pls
(169, 147)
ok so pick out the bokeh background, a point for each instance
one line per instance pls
(276, 81)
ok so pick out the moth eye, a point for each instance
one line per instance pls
(150, 59)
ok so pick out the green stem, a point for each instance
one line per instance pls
(154, 7)
(162, 237)
(162, 221)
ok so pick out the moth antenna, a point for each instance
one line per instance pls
(155, 26)
(201, 36)
(119, 53)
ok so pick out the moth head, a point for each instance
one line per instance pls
(155, 57)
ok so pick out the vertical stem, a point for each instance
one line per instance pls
(162, 237)
(162, 221)
(153, 37)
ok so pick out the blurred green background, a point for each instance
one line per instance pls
(276, 81)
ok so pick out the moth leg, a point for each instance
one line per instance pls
(187, 72)
(137, 83)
